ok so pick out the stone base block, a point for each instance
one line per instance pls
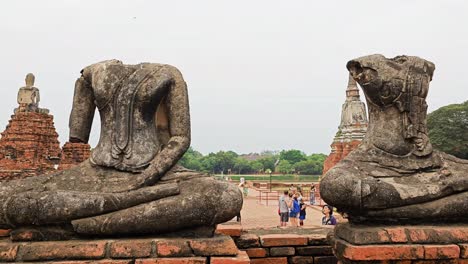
(220, 249)
(401, 244)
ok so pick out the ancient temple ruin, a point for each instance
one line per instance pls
(352, 129)
(29, 145)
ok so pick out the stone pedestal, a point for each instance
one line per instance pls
(73, 154)
(401, 244)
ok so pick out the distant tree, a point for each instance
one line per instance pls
(256, 166)
(284, 166)
(210, 163)
(309, 166)
(192, 160)
(448, 129)
(268, 162)
(241, 165)
(292, 156)
(225, 161)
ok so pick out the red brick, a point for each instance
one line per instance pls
(397, 234)
(241, 258)
(379, 252)
(8, 251)
(216, 246)
(131, 249)
(104, 261)
(257, 252)
(325, 260)
(441, 251)
(463, 261)
(229, 230)
(63, 250)
(282, 251)
(417, 235)
(279, 240)
(173, 248)
(437, 261)
(248, 241)
(191, 260)
(4, 232)
(283, 260)
(314, 251)
(464, 251)
(301, 260)
(438, 235)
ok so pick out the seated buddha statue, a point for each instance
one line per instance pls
(395, 175)
(131, 184)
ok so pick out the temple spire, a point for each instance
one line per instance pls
(352, 92)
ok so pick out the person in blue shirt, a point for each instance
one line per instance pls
(295, 209)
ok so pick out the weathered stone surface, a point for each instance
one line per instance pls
(352, 129)
(8, 251)
(233, 230)
(145, 130)
(421, 234)
(441, 252)
(282, 251)
(240, 258)
(248, 241)
(280, 260)
(283, 240)
(325, 260)
(301, 260)
(66, 250)
(104, 261)
(131, 248)
(314, 251)
(257, 252)
(395, 175)
(344, 250)
(217, 246)
(173, 248)
(191, 260)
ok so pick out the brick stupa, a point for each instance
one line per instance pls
(29, 145)
(352, 128)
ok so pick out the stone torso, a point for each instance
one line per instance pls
(127, 97)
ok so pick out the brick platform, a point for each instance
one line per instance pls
(401, 244)
(285, 248)
(220, 249)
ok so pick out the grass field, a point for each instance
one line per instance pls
(274, 178)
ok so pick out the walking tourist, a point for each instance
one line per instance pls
(328, 218)
(284, 208)
(312, 194)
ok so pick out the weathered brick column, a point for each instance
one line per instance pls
(401, 244)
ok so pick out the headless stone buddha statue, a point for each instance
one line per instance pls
(29, 97)
(131, 184)
(395, 175)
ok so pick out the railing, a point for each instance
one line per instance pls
(266, 197)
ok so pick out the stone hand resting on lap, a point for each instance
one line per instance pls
(131, 183)
(395, 174)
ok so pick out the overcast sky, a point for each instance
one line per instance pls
(262, 74)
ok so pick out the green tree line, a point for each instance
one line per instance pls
(448, 129)
(286, 162)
